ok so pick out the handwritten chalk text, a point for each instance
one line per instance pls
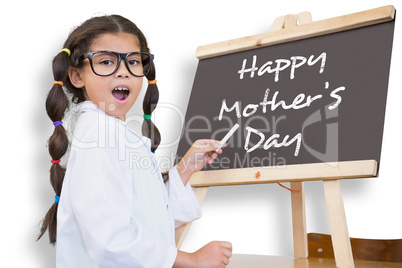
(280, 65)
(272, 141)
(299, 102)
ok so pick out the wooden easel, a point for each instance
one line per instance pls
(330, 173)
(284, 29)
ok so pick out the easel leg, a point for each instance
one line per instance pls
(300, 242)
(181, 231)
(337, 222)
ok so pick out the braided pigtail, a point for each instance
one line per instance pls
(150, 101)
(56, 105)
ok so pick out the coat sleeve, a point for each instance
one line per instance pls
(182, 201)
(101, 201)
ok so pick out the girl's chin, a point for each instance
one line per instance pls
(116, 109)
(117, 112)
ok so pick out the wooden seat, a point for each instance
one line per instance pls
(320, 246)
(367, 253)
(262, 261)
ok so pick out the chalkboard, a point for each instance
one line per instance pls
(319, 99)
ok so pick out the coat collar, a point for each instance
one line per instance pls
(89, 106)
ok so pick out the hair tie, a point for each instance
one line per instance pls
(66, 50)
(56, 198)
(55, 161)
(57, 123)
(58, 83)
(147, 116)
(152, 82)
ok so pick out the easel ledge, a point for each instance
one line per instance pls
(289, 173)
(288, 34)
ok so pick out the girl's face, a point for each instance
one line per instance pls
(114, 94)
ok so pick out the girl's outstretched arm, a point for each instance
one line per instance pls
(202, 152)
(213, 255)
(216, 253)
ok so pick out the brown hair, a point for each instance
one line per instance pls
(57, 102)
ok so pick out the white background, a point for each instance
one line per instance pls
(256, 219)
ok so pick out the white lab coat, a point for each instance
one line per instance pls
(114, 209)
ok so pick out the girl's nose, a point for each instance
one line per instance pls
(122, 71)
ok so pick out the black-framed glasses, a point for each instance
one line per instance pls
(105, 63)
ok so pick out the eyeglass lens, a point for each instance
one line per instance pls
(106, 63)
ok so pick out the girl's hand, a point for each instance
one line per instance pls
(213, 255)
(202, 152)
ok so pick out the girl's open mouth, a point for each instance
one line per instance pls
(121, 94)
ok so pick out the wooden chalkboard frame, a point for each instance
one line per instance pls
(285, 29)
(304, 31)
(295, 173)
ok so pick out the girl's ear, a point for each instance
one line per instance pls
(75, 77)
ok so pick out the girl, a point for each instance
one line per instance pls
(111, 210)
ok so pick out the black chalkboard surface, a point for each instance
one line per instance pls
(320, 99)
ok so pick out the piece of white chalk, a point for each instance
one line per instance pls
(227, 136)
